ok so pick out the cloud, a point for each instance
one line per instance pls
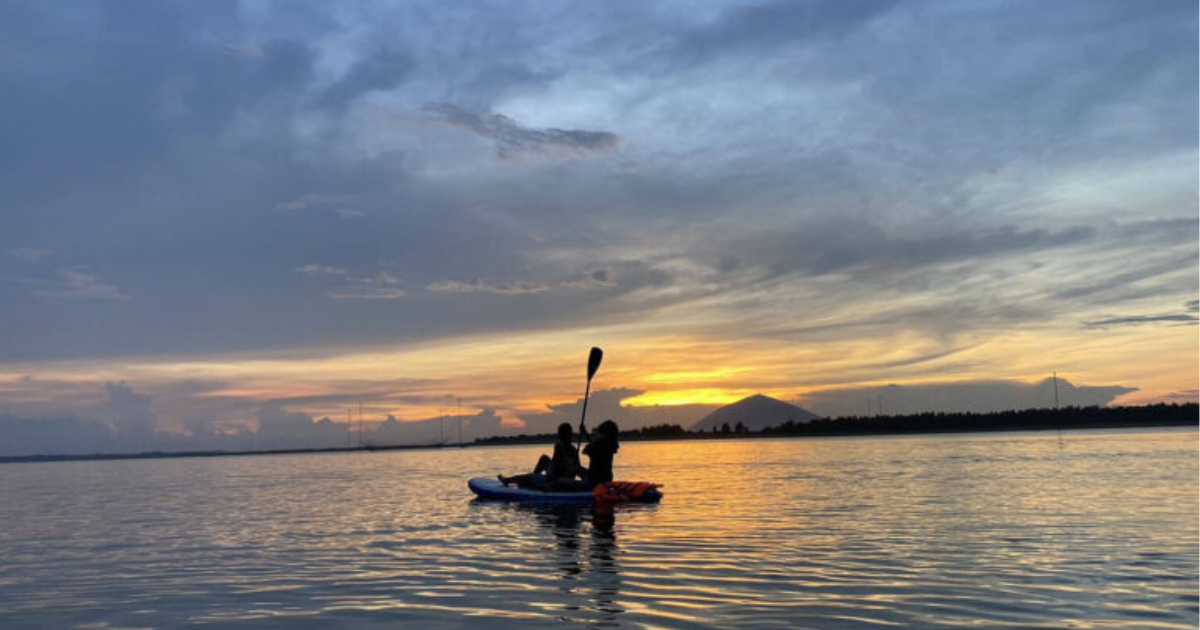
(848, 172)
(381, 286)
(769, 25)
(53, 436)
(513, 140)
(128, 414)
(443, 429)
(971, 396)
(1185, 396)
(1187, 318)
(597, 278)
(337, 204)
(79, 283)
(1142, 319)
(315, 270)
(313, 200)
(282, 429)
(606, 404)
(486, 286)
(379, 71)
(28, 255)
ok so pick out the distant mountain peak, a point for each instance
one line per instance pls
(755, 412)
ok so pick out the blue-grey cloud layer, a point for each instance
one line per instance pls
(178, 166)
(125, 421)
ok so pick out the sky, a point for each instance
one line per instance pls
(225, 221)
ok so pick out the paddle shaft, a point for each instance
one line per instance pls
(594, 358)
(587, 390)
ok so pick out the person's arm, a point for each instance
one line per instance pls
(578, 467)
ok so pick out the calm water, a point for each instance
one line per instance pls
(993, 531)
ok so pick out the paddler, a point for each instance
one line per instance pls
(602, 446)
(554, 473)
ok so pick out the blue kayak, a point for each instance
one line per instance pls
(491, 488)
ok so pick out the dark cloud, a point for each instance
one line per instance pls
(281, 429)
(771, 25)
(1185, 396)
(53, 436)
(1142, 319)
(128, 414)
(513, 140)
(810, 168)
(382, 70)
(125, 423)
(827, 247)
(970, 396)
(446, 429)
(200, 120)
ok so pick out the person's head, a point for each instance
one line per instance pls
(609, 430)
(565, 434)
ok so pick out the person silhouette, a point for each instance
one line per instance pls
(603, 445)
(552, 473)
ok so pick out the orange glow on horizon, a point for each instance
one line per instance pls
(518, 374)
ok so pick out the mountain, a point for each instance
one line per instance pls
(756, 412)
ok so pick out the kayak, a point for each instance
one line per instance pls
(491, 488)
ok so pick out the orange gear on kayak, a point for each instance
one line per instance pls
(621, 491)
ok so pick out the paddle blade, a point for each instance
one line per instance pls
(594, 362)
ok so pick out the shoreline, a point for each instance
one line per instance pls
(1068, 419)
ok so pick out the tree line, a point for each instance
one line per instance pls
(1156, 415)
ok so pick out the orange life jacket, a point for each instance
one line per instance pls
(619, 491)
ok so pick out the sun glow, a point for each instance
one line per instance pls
(703, 396)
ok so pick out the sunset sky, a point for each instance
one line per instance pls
(212, 209)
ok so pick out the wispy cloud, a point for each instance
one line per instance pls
(1142, 319)
(381, 286)
(486, 286)
(591, 279)
(597, 278)
(340, 205)
(1187, 318)
(311, 200)
(379, 71)
(28, 254)
(79, 283)
(314, 270)
(513, 140)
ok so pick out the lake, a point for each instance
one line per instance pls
(1006, 530)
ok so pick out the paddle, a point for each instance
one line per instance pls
(593, 364)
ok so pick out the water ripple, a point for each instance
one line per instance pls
(1002, 531)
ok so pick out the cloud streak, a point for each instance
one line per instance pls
(78, 283)
(513, 140)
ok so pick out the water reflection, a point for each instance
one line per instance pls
(1000, 531)
(584, 554)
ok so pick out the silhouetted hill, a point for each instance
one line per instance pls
(756, 413)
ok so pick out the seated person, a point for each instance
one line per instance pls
(557, 473)
(603, 445)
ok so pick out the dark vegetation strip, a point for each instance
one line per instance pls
(1068, 418)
